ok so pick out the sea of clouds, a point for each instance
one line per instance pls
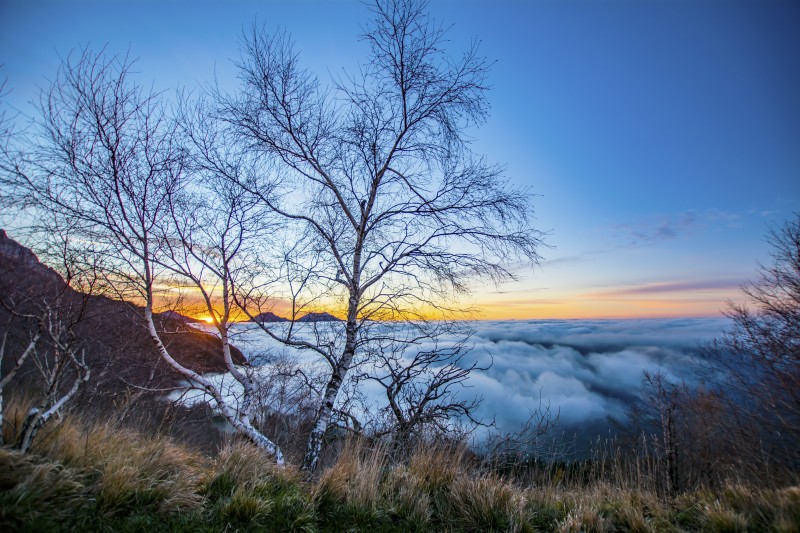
(585, 370)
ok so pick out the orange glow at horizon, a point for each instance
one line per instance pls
(583, 307)
(596, 306)
(623, 302)
(596, 311)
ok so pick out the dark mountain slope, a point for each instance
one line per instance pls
(111, 332)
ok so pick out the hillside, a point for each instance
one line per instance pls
(128, 481)
(117, 347)
(268, 317)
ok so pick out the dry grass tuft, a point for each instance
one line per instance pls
(487, 502)
(786, 503)
(121, 469)
(356, 476)
(720, 518)
(241, 465)
(582, 519)
(407, 497)
(134, 469)
(246, 489)
(32, 490)
(97, 476)
(437, 466)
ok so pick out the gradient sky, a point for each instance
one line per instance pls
(661, 138)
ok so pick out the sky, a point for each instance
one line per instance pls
(660, 139)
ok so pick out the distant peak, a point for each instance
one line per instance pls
(268, 317)
(319, 317)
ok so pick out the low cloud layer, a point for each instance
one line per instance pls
(585, 369)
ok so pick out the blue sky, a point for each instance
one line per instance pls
(660, 137)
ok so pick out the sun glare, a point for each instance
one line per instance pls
(207, 319)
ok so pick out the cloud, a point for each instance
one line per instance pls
(577, 258)
(650, 232)
(519, 291)
(674, 286)
(728, 218)
(634, 235)
(586, 369)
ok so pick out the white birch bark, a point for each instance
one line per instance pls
(39, 417)
(239, 417)
(11, 373)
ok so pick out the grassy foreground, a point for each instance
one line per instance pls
(90, 477)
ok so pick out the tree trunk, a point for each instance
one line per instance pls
(30, 427)
(38, 417)
(323, 417)
(239, 420)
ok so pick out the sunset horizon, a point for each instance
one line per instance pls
(658, 148)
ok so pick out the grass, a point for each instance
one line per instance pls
(97, 477)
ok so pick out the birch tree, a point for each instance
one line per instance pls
(108, 160)
(19, 360)
(376, 169)
(51, 310)
(424, 388)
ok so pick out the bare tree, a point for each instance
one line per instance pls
(208, 245)
(19, 360)
(662, 398)
(109, 165)
(423, 387)
(51, 313)
(655, 429)
(755, 364)
(60, 362)
(511, 450)
(377, 173)
(66, 362)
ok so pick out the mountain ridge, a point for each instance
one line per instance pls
(111, 332)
